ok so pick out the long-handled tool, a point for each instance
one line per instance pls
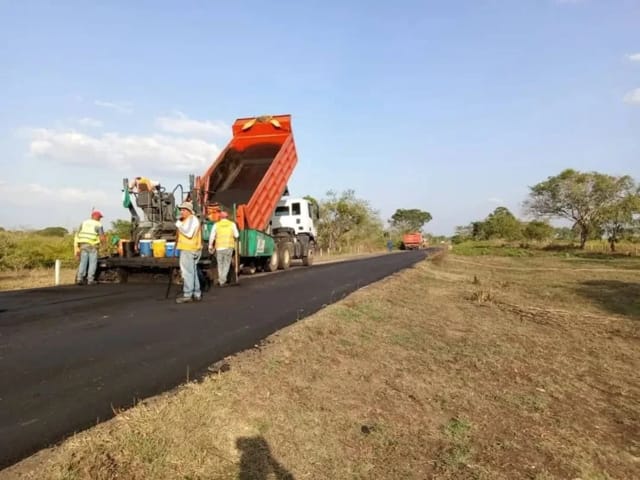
(236, 262)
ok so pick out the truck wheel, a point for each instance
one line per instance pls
(307, 260)
(249, 269)
(285, 256)
(122, 275)
(272, 264)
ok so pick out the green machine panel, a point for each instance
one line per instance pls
(254, 243)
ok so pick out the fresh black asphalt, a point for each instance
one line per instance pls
(70, 355)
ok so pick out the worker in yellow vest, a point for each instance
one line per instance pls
(85, 245)
(190, 246)
(222, 240)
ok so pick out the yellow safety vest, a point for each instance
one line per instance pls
(88, 232)
(192, 244)
(224, 235)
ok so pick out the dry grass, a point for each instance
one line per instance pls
(34, 278)
(446, 371)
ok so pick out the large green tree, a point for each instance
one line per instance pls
(585, 198)
(501, 223)
(409, 220)
(346, 220)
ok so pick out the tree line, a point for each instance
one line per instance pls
(347, 221)
(596, 205)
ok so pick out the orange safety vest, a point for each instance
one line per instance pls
(224, 235)
(193, 244)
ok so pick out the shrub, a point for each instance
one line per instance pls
(20, 250)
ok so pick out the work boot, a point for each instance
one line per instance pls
(92, 282)
(79, 282)
(184, 300)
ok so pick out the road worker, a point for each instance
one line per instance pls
(85, 245)
(190, 246)
(222, 241)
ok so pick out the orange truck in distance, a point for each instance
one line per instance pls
(412, 241)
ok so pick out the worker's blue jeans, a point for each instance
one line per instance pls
(88, 263)
(189, 269)
(223, 258)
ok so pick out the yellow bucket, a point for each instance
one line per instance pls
(159, 247)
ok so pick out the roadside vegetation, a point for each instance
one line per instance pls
(462, 368)
(597, 207)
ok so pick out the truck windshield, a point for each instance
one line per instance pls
(282, 211)
(295, 207)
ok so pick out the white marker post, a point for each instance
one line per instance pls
(57, 273)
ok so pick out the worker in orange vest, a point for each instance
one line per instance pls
(222, 240)
(190, 246)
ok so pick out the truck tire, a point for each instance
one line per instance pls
(271, 265)
(285, 255)
(307, 260)
(122, 275)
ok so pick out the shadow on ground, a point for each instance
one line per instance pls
(256, 461)
(622, 298)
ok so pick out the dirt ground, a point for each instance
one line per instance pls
(490, 368)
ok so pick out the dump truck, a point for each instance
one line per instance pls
(249, 180)
(412, 241)
(250, 177)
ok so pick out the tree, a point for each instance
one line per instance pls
(462, 233)
(564, 233)
(346, 219)
(583, 198)
(620, 217)
(501, 223)
(410, 220)
(121, 229)
(537, 230)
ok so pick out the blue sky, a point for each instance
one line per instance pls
(454, 107)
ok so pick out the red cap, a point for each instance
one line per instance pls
(97, 214)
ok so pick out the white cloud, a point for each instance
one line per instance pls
(634, 57)
(36, 194)
(89, 122)
(633, 97)
(120, 107)
(180, 123)
(152, 154)
(34, 205)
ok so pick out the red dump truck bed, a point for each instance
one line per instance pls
(252, 171)
(412, 240)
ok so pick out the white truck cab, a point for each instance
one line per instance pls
(293, 229)
(296, 214)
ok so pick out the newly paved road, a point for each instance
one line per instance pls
(68, 355)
